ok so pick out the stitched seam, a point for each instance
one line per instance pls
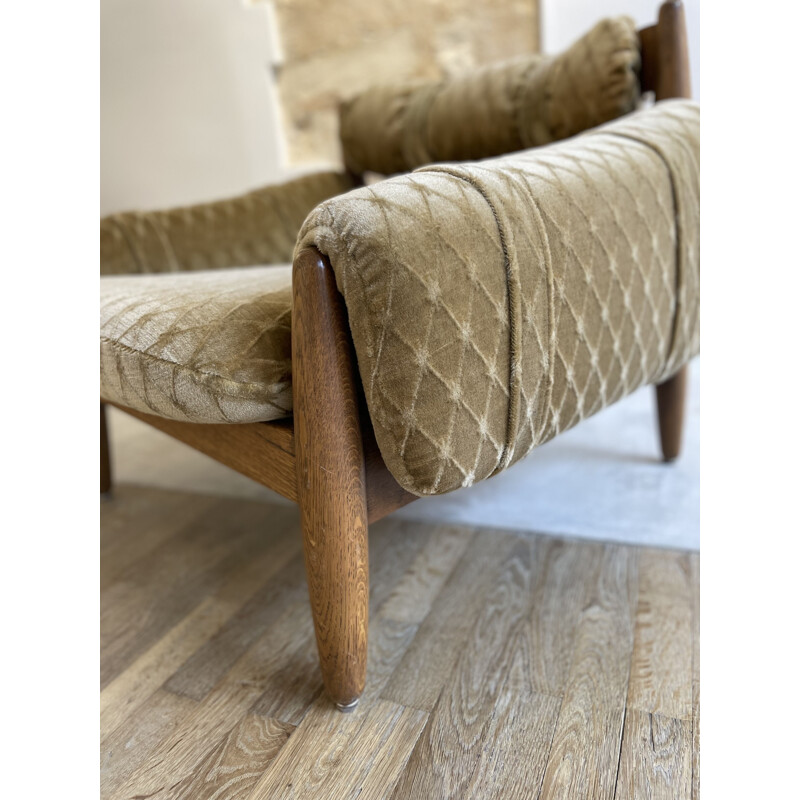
(514, 328)
(678, 243)
(209, 378)
(326, 237)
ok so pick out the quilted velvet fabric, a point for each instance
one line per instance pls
(202, 346)
(496, 110)
(495, 304)
(259, 227)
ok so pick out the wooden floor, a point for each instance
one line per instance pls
(501, 665)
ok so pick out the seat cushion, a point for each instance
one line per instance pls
(206, 346)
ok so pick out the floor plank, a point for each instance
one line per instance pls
(232, 769)
(163, 661)
(126, 749)
(361, 756)
(656, 761)
(447, 761)
(132, 508)
(180, 755)
(694, 561)
(157, 591)
(501, 665)
(585, 751)
(423, 672)
(661, 667)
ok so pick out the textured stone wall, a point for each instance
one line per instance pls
(328, 51)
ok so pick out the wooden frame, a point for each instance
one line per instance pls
(325, 458)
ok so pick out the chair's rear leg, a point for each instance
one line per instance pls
(330, 477)
(105, 457)
(671, 400)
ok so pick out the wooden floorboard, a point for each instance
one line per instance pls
(501, 664)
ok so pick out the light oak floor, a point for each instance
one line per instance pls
(502, 665)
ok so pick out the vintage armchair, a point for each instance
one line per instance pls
(435, 326)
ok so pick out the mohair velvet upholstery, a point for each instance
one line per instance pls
(495, 304)
(259, 227)
(202, 346)
(492, 304)
(501, 108)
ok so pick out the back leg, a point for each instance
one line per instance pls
(105, 458)
(671, 400)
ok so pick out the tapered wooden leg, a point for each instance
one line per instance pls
(330, 477)
(671, 400)
(105, 458)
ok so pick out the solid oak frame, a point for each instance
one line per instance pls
(325, 458)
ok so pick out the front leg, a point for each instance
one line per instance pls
(330, 477)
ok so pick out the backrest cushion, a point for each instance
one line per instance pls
(501, 108)
(259, 227)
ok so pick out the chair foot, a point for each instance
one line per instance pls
(346, 709)
(671, 401)
(105, 457)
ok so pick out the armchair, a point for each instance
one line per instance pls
(441, 323)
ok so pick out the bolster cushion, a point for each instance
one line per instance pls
(259, 227)
(495, 304)
(501, 108)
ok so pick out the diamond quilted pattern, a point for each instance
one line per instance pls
(203, 346)
(259, 227)
(496, 304)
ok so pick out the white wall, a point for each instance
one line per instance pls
(563, 21)
(186, 113)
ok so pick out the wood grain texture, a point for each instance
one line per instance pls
(585, 749)
(283, 586)
(655, 761)
(263, 451)
(565, 573)
(136, 521)
(661, 665)
(427, 665)
(447, 761)
(465, 620)
(126, 749)
(180, 755)
(318, 762)
(413, 595)
(330, 476)
(197, 631)
(694, 567)
(334, 759)
(148, 600)
(232, 768)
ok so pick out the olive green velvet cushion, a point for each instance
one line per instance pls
(497, 109)
(209, 346)
(495, 304)
(492, 304)
(259, 227)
